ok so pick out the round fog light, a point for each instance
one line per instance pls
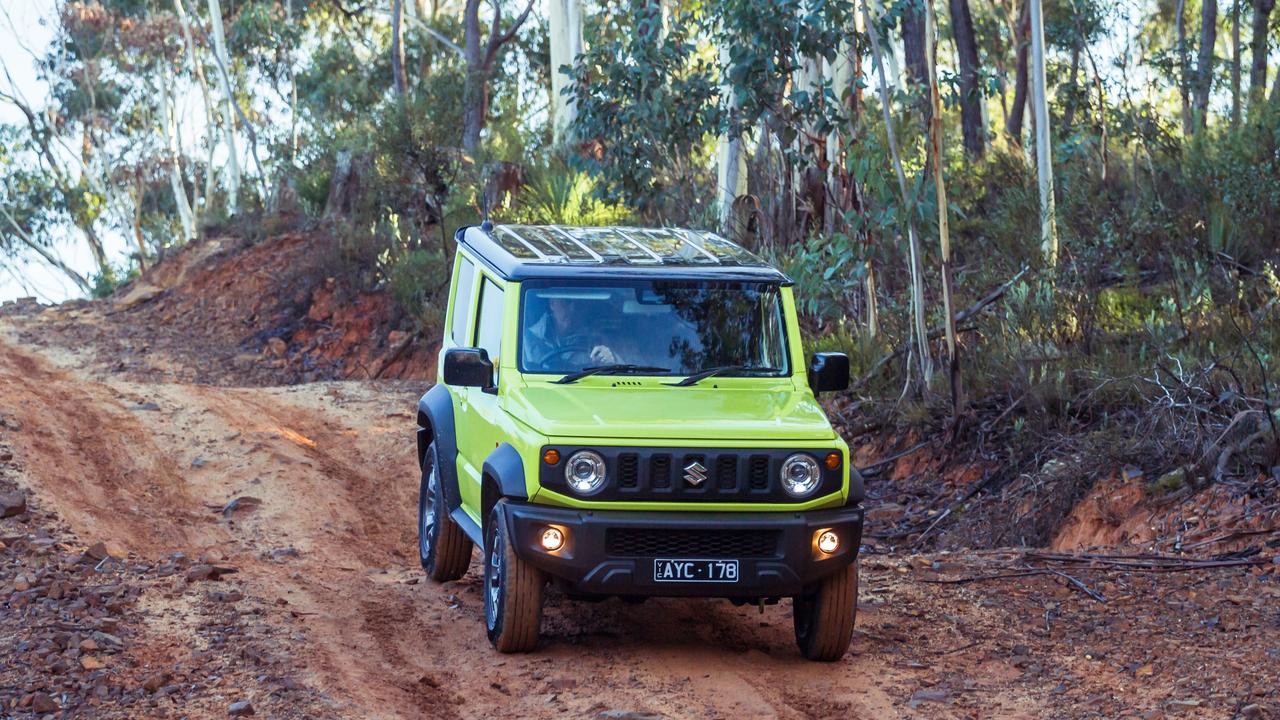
(552, 539)
(828, 542)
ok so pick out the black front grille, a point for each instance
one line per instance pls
(692, 474)
(660, 471)
(727, 472)
(641, 542)
(758, 472)
(628, 471)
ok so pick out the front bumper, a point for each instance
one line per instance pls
(613, 552)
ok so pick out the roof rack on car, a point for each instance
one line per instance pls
(619, 245)
(543, 251)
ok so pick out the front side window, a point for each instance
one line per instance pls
(462, 300)
(489, 319)
(683, 327)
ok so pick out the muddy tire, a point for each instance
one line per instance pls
(512, 591)
(443, 548)
(824, 617)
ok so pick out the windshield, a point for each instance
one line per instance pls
(670, 327)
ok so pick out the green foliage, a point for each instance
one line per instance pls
(419, 281)
(561, 196)
(647, 112)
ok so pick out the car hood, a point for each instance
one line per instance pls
(777, 412)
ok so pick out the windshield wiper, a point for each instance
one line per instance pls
(712, 372)
(615, 369)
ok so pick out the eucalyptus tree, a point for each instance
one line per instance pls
(647, 102)
(971, 92)
(1259, 46)
(481, 50)
(565, 39)
(1205, 63)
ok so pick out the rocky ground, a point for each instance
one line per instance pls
(174, 548)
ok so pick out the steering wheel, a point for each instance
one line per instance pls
(571, 345)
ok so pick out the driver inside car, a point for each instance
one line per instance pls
(563, 334)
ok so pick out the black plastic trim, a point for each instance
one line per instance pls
(584, 564)
(505, 465)
(437, 406)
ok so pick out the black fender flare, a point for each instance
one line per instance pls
(503, 477)
(857, 487)
(435, 423)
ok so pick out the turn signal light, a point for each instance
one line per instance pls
(551, 457)
(552, 539)
(832, 460)
(828, 542)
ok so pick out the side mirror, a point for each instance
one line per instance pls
(828, 371)
(469, 367)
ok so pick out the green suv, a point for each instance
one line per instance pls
(627, 412)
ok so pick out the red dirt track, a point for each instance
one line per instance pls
(151, 464)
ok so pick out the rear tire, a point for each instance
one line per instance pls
(512, 591)
(824, 617)
(443, 548)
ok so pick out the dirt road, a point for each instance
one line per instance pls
(324, 549)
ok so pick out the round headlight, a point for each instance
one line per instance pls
(585, 472)
(800, 476)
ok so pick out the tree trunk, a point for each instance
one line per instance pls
(1258, 48)
(940, 191)
(397, 47)
(479, 60)
(1018, 111)
(731, 163)
(975, 134)
(566, 46)
(1184, 65)
(169, 121)
(1204, 64)
(1044, 160)
(211, 123)
(1235, 64)
(916, 267)
(913, 52)
(229, 122)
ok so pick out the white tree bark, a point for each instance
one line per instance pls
(731, 162)
(169, 120)
(1044, 161)
(211, 123)
(940, 188)
(913, 241)
(224, 80)
(566, 46)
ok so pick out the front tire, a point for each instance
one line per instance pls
(443, 548)
(824, 617)
(512, 591)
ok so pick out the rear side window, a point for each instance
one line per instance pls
(462, 300)
(489, 327)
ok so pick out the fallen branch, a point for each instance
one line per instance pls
(877, 467)
(1229, 537)
(1142, 563)
(1081, 586)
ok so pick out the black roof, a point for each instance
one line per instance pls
(520, 252)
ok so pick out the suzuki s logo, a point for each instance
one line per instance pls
(695, 474)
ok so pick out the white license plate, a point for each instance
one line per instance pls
(718, 571)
